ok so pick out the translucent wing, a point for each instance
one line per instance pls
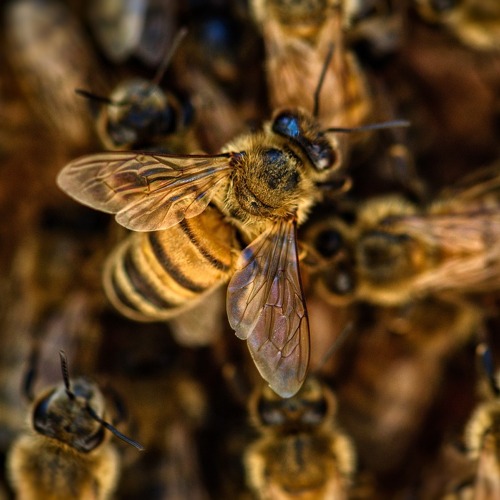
(470, 243)
(265, 306)
(473, 187)
(146, 192)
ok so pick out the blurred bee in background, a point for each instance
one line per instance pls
(138, 114)
(388, 250)
(50, 56)
(141, 28)
(301, 453)
(298, 37)
(66, 454)
(387, 400)
(476, 23)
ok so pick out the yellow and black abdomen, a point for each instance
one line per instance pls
(156, 275)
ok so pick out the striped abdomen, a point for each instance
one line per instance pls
(154, 276)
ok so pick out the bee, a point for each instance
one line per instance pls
(389, 250)
(51, 57)
(67, 453)
(482, 433)
(476, 23)
(300, 453)
(262, 184)
(138, 114)
(298, 36)
(143, 28)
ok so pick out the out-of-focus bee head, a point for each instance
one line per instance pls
(140, 113)
(64, 415)
(310, 407)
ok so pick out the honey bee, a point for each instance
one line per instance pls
(475, 23)
(133, 27)
(395, 250)
(66, 454)
(138, 114)
(298, 36)
(51, 57)
(482, 434)
(301, 453)
(263, 184)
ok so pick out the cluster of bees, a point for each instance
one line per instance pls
(319, 179)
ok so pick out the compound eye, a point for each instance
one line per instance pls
(287, 124)
(328, 243)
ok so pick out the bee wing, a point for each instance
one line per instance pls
(265, 306)
(146, 192)
(472, 240)
(473, 186)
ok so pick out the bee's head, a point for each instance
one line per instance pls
(303, 131)
(64, 416)
(308, 408)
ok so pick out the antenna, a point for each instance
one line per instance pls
(114, 430)
(94, 97)
(168, 56)
(321, 80)
(156, 80)
(92, 413)
(371, 126)
(65, 374)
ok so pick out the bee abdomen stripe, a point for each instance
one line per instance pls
(218, 264)
(173, 270)
(141, 286)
